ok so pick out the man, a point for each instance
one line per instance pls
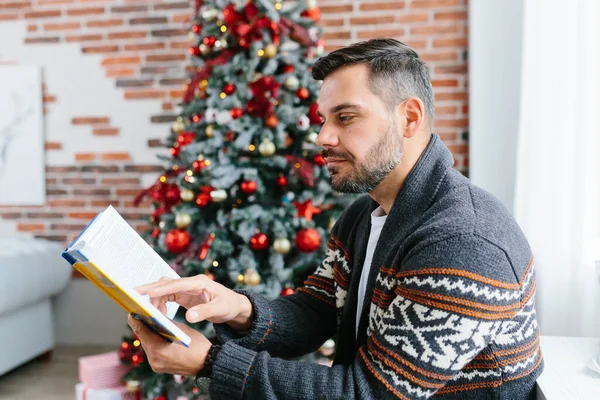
(428, 281)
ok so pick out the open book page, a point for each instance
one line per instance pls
(122, 254)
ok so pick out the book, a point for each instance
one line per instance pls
(113, 256)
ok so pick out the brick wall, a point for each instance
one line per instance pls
(98, 157)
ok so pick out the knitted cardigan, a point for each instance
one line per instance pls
(449, 310)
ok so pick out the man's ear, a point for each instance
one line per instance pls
(413, 112)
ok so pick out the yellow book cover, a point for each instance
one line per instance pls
(113, 256)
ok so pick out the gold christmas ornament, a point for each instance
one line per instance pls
(251, 277)
(218, 195)
(210, 130)
(187, 195)
(178, 126)
(270, 50)
(182, 220)
(311, 137)
(310, 4)
(210, 14)
(282, 245)
(267, 148)
(204, 49)
(291, 83)
(132, 386)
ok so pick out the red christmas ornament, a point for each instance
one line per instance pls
(196, 118)
(319, 160)
(302, 93)
(248, 187)
(155, 233)
(288, 68)
(236, 112)
(259, 241)
(177, 241)
(197, 28)
(287, 291)
(172, 195)
(203, 199)
(185, 138)
(308, 240)
(209, 41)
(313, 115)
(229, 89)
(194, 50)
(282, 181)
(175, 150)
(161, 397)
(271, 121)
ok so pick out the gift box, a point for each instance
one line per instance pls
(102, 370)
(84, 392)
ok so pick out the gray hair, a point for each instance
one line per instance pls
(396, 71)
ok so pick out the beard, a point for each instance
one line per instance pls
(379, 162)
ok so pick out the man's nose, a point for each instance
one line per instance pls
(327, 137)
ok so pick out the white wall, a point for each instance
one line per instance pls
(495, 44)
(83, 314)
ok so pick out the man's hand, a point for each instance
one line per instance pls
(172, 358)
(204, 299)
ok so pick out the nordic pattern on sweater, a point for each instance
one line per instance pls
(425, 325)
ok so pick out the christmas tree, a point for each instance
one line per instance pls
(245, 197)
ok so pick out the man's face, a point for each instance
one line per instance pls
(360, 136)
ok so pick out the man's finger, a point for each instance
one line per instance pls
(176, 286)
(145, 288)
(201, 312)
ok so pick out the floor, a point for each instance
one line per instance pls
(47, 380)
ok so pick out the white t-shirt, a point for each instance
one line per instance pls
(377, 220)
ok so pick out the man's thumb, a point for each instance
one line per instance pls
(200, 312)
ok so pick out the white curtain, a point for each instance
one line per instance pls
(557, 196)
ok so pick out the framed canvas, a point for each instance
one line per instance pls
(22, 161)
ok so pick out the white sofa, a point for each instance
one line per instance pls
(31, 272)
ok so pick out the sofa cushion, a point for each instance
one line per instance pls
(30, 270)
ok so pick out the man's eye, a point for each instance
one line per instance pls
(345, 118)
